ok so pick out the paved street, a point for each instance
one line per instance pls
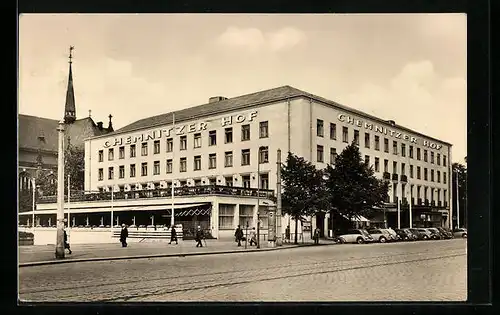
(418, 271)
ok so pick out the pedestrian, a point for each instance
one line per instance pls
(238, 234)
(124, 235)
(287, 234)
(199, 237)
(253, 237)
(173, 236)
(316, 236)
(66, 244)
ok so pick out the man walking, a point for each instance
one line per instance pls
(199, 237)
(238, 234)
(124, 235)
(173, 236)
(316, 236)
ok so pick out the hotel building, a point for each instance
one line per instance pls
(215, 155)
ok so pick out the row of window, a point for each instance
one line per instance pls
(246, 216)
(212, 164)
(419, 190)
(345, 138)
(183, 143)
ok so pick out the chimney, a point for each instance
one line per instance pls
(99, 125)
(215, 99)
(392, 122)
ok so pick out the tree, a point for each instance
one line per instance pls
(460, 170)
(303, 189)
(351, 185)
(74, 159)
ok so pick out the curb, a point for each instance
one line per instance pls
(53, 262)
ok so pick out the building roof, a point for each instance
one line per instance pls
(41, 133)
(247, 101)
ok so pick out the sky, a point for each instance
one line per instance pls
(410, 68)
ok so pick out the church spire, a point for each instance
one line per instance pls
(69, 107)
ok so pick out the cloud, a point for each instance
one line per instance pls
(253, 39)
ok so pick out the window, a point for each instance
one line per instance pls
(229, 181)
(212, 137)
(197, 140)
(411, 171)
(425, 193)
(212, 160)
(333, 131)
(367, 140)
(263, 155)
(386, 145)
(183, 142)
(183, 164)
(333, 155)
(111, 172)
(156, 147)
(246, 216)
(444, 195)
(319, 152)
(438, 176)
(132, 150)
(367, 159)
(144, 169)
(444, 160)
(432, 157)
(394, 147)
(394, 167)
(263, 129)
(246, 181)
(377, 164)
(425, 173)
(144, 149)
(444, 178)
(356, 137)
(264, 181)
(111, 154)
(418, 154)
(403, 169)
(345, 134)
(403, 150)
(319, 128)
(411, 152)
(226, 215)
(169, 166)
(132, 170)
(156, 168)
(425, 155)
(432, 175)
(245, 132)
(245, 157)
(438, 159)
(228, 159)
(170, 144)
(121, 171)
(121, 152)
(418, 172)
(197, 163)
(100, 174)
(386, 165)
(101, 155)
(228, 132)
(377, 143)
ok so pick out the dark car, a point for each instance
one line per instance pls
(421, 235)
(435, 234)
(413, 235)
(404, 235)
(445, 233)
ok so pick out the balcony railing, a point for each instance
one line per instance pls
(387, 175)
(394, 176)
(404, 178)
(162, 192)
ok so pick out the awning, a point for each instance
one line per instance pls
(357, 218)
(196, 211)
(166, 207)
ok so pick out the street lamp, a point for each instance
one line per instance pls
(34, 203)
(258, 196)
(60, 194)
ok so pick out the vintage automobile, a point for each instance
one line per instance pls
(380, 235)
(424, 233)
(435, 234)
(445, 233)
(460, 233)
(405, 235)
(394, 235)
(359, 236)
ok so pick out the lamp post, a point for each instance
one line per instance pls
(258, 198)
(458, 199)
(279, 241)
(34, 203)
(60, 194)
(69, 189)
(173, 162)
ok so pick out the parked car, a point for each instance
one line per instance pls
(424, 234)
(435, 234)
(460, 233)
(405, 235)
(380, 235)
(413, 234)
(359, 236)
(445, 233)
(393, 234)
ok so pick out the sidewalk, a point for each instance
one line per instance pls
(45, 254)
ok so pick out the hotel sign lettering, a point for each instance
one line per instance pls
(386, 131)
(179, 130)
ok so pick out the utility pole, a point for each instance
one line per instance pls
(60, 194)
(258, 199)
(69, 200)
(279, 241)
(173, 163)
(458, 200)
(34, 203)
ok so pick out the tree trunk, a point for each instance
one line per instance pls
(296, 229)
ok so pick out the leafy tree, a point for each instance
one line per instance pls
(351, 185)
(74, 159)
(460, 170)
(303, 189)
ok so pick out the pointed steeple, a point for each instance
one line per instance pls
(69, 107)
